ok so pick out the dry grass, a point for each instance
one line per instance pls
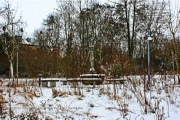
(3, 102)
(79, 98)
(60, 93)
(55, 92)
(13, 85)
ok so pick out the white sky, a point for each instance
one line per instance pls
(34, 11)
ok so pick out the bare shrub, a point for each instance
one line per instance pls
(60, 93)
(55, 92)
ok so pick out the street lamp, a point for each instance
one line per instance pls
(149, 39)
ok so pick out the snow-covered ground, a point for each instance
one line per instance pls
(104, 102)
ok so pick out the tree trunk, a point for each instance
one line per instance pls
(128, 29)
(176, 54)
(11, 68)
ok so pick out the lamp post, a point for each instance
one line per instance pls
(17, 54)
(149, 39)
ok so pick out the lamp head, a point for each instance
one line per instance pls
(149, 38)
(149, 35)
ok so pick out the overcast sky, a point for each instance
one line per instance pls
(34, 11)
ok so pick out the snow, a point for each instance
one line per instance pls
(104, 102)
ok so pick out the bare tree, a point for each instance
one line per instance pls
(174, 27)
(11, 26)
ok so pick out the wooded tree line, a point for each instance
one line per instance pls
(118, 32)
